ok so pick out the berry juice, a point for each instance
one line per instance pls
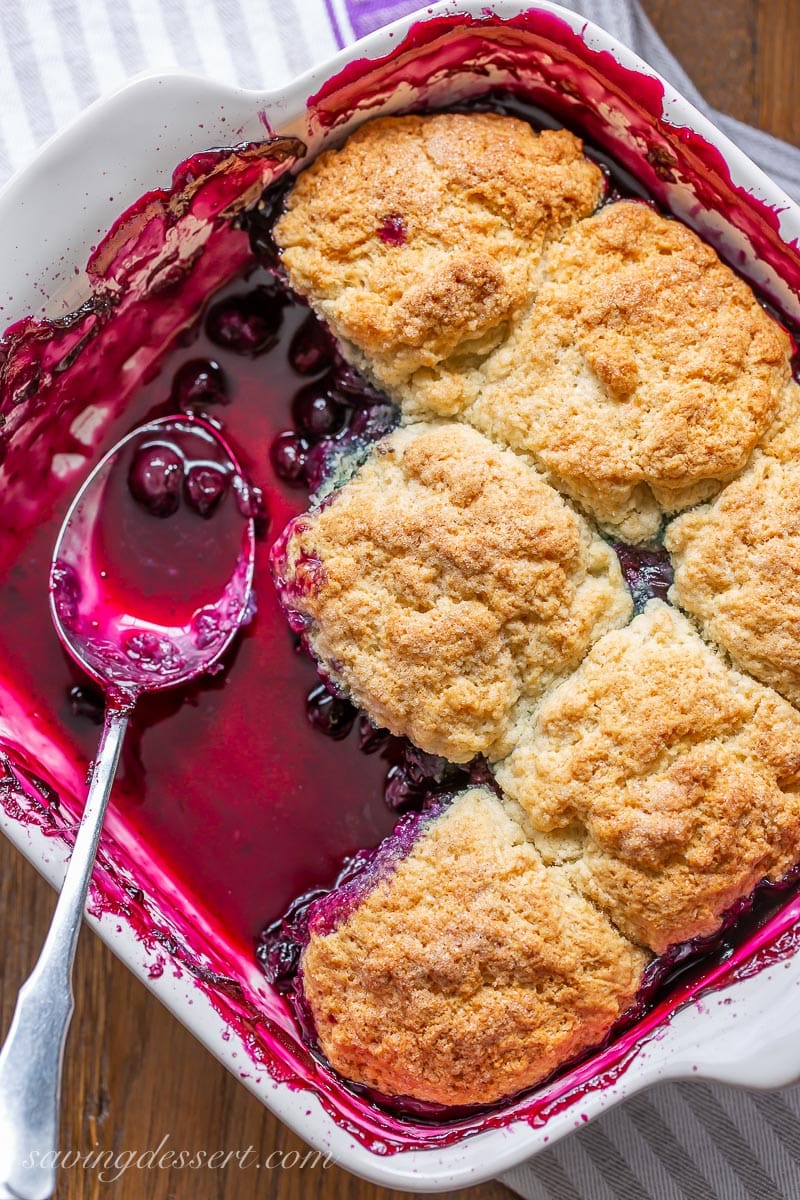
(219, 774)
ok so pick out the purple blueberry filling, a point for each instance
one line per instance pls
(330, 714)
(336, 417)
(153, 652)
(392, 230)
(417, 776)
(647, 572)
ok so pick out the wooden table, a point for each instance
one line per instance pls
(134, 1075)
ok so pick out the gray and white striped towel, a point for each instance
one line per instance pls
(691, 1141)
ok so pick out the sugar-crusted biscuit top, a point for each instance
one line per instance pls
(644, 373)
(460, 601)
(471, 971)
(665, 782)
(737, 570)
(445, 583)
(418, 240)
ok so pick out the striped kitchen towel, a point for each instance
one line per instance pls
(685, 1141)
(56, 56)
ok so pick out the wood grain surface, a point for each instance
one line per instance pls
(134, 1076)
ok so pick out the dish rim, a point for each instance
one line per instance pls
(712, 1038)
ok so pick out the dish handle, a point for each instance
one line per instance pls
(747, 1034)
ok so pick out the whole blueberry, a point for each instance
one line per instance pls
(318, 411)
(332, 716)
(87, 701)
(199, 381)
(310, 350)
(204, 487)
(155, 478)
(321, 463)
(288, 456)
(248, 323)
(350, 381)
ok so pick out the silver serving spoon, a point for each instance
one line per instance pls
(127, 655)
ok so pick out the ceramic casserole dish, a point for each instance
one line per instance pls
(737, 1021)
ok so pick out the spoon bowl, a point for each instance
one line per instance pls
(151, 579)
(111, 627)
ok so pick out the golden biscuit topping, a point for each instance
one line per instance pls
(667, 783)
(471, 972)
(737, 570)
(460, 601)
(418, 241)
(642, 376)
(445, 583)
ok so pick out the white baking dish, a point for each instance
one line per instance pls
(746, 1029)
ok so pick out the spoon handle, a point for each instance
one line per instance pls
(33, 1052)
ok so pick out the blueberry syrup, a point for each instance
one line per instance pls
(188, 858)
(176, 777)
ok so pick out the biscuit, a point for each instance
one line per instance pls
(643, 375)
(445, 583)
(737, 570)
(664, 782)
(469, 972)
(419, 240)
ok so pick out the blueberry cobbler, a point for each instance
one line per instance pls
(515, 731)
(570, 370)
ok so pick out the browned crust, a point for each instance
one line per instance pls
(666, 782)
(472, 972)
(451, 583)
(476, 196)
(643, 375)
